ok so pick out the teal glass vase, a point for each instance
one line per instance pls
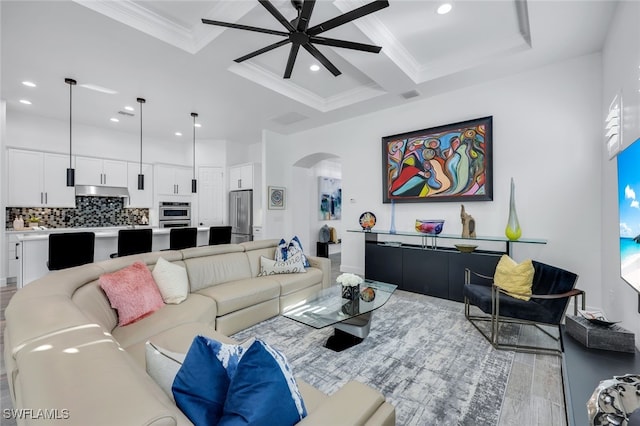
(513, 230)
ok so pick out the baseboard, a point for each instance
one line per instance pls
(352, 269)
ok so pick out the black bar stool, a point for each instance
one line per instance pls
(70, 249)
(181, 238)
(134, 241)
(219, 235)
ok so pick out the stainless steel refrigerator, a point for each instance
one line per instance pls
(241, 215)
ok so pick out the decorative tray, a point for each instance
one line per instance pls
(597, 317)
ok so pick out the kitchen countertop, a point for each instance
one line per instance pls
(101, 232)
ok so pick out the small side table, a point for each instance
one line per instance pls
(322, 249)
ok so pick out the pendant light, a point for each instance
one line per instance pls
(71, 173)
(140, 175)
(194, 183)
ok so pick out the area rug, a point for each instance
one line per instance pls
(421, 353)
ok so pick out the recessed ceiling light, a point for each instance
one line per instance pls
(115, 120)
(444, 8)
(29, 83)
(129, 108)
(178, 134)
(198, 125)
(98, 88)
(314, 67)
(24, 101)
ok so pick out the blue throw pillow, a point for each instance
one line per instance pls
(295, 246)
(282, 251)
(263, 390)
(200, 387)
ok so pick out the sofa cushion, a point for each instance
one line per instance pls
(175, 339)
(194, 308)
(132, 292)
(292, 265)
(93, 301)
(240, 294)
(172, 281)
(213, 270)
(291, 283)
(263, 380)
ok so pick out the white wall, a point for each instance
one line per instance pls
(621, 74)
(547, 136)
(3, 190)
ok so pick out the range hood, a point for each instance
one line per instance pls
(101, 191)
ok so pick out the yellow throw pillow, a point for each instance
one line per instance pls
(514, 277)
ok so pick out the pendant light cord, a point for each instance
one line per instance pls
(140, 136)
(70, 127)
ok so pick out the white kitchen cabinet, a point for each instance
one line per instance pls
(38, 179)
(172, 180)
(241, 177)
(13, 259)
(140, 198)
(101, 172)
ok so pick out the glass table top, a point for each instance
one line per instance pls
(327, 307)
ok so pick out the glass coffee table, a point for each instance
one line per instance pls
(350, 318)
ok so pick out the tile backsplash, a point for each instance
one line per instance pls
(89, 212)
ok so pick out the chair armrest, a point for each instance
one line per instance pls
(571, 293)
(467, 276)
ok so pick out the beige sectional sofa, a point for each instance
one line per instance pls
(65, 353)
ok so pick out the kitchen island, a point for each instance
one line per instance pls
(32, 250)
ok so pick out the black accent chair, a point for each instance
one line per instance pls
(134, 241)
(552, 289)
(182, 238)
(70, 249)
(219, 235)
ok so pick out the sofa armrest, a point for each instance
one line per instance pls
(324, 264)
(353, 404)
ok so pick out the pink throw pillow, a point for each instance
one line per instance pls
(132, 292)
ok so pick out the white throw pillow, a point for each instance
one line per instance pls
(172, 281)
(162, 366)
(294, 264)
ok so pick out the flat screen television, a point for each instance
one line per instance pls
(629, 211)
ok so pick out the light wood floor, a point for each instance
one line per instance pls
(533, 397)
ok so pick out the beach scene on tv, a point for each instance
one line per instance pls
(629, 208)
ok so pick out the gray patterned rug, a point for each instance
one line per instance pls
(422, 354)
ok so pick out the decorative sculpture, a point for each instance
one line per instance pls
(513, 231)
(468, 224)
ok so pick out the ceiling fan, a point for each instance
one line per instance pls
(299, 33)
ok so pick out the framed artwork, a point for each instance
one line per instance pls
(330, 190)
(445, 163)
(276, 198)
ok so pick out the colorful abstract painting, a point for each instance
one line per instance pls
(330, 190)
(445, 163)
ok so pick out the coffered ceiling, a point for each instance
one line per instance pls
(160, 50)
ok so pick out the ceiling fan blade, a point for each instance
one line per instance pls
(348, 17)
(261, 51)
(276, 14)
(345, 44)
(244, 27)
(305, 16)
(322, 59)
(292, 60)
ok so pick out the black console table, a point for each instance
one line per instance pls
(584, 368)
(426, 267)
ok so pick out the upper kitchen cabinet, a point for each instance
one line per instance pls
(101, 172)
(241, 177)
(172, 180)
(38, 179)
(140, 198)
